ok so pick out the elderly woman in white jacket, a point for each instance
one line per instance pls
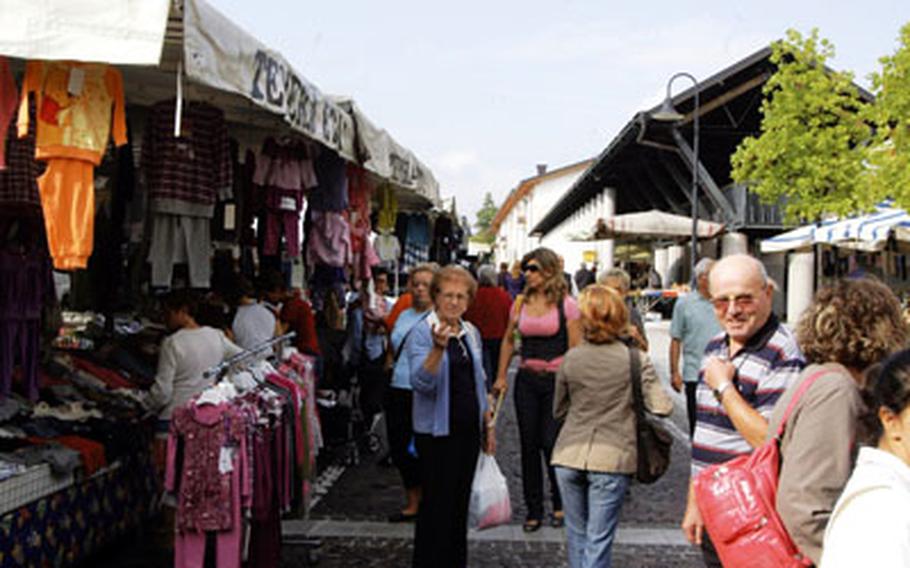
(870, 525)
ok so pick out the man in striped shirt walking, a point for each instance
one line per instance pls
(744, 371)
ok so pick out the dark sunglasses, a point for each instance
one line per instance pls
(530, 268)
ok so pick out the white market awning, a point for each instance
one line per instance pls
(649, 225)
(868, 232)
(129, 32)
(255, 86)
(385, 157)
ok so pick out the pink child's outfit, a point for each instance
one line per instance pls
(210, 442)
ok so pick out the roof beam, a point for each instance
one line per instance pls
(704, 177)
(726, 97)
(684, 185)
(652, 176)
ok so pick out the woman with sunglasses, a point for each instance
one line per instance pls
(548, 323)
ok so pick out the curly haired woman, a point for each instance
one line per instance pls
(850, 326)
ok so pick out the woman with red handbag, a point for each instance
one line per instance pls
(850, 326)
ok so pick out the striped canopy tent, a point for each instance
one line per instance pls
(867, 232)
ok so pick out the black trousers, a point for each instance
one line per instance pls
(491, 349)
(400, 431)
(447, 465)
(537, 430)
(691, 388)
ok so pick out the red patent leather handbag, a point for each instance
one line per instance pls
(737, 500)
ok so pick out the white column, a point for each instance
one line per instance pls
(660, 263)
(734, 243)
(800, 280)
(607, 250)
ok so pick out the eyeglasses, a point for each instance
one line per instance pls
(740, 301)
(530, 268)
(454, 297)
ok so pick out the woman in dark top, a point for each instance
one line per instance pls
(548, 322)
(451, 420)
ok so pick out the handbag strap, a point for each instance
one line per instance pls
(635, 374)
(800, 391)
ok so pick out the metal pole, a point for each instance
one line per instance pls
(695, 128)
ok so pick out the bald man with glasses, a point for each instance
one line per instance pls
(744, 371)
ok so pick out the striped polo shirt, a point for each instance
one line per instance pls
(765, 366)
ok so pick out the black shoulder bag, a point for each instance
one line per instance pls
(653, 439)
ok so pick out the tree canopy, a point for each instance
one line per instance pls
(814, 135)
(485, 216)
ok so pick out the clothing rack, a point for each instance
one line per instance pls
(248, 354)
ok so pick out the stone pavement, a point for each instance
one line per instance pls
(351, 517)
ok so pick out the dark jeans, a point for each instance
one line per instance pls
(447, 466)
(400, 431)
(691, 388)
(537, 430)
(491, 359)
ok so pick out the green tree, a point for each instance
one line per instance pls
(813, 135)
(485, 216)
(889, 153)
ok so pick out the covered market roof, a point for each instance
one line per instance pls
(649, 166)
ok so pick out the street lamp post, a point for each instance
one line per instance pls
(666, 113)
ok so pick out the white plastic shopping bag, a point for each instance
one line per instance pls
(490, 503)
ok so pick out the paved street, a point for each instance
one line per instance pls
(350, 518)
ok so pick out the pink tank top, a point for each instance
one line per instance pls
(545, 325)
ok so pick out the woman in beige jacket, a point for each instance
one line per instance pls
(595, 453)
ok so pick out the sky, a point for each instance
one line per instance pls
(482, 91)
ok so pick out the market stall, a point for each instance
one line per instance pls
(151, 146)
(650, 270)
(876, 243)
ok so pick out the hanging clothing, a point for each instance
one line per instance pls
(68, 199)
(176, 239)
(78, 107)
(388, 209)
(9, 96)
(284, 173)
(332, 192)
(26, 285)
(19, 181)
(278, 223)
(74, 109)
(329, 240)
(213, 483)
(186, 174)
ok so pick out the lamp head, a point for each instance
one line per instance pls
(666, 112)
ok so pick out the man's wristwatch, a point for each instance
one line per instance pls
(719, 391)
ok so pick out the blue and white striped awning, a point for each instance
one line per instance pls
(868, 232)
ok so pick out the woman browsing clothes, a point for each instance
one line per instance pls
(596, 451)
(547, 320)
(450, 418)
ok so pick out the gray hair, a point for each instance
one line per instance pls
(619, 274)
(487, 275)
(430, 267)
(703, 267)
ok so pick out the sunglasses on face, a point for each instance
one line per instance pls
(530, 268)
(740, 301)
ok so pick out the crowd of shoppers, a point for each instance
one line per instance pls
(442, 355)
